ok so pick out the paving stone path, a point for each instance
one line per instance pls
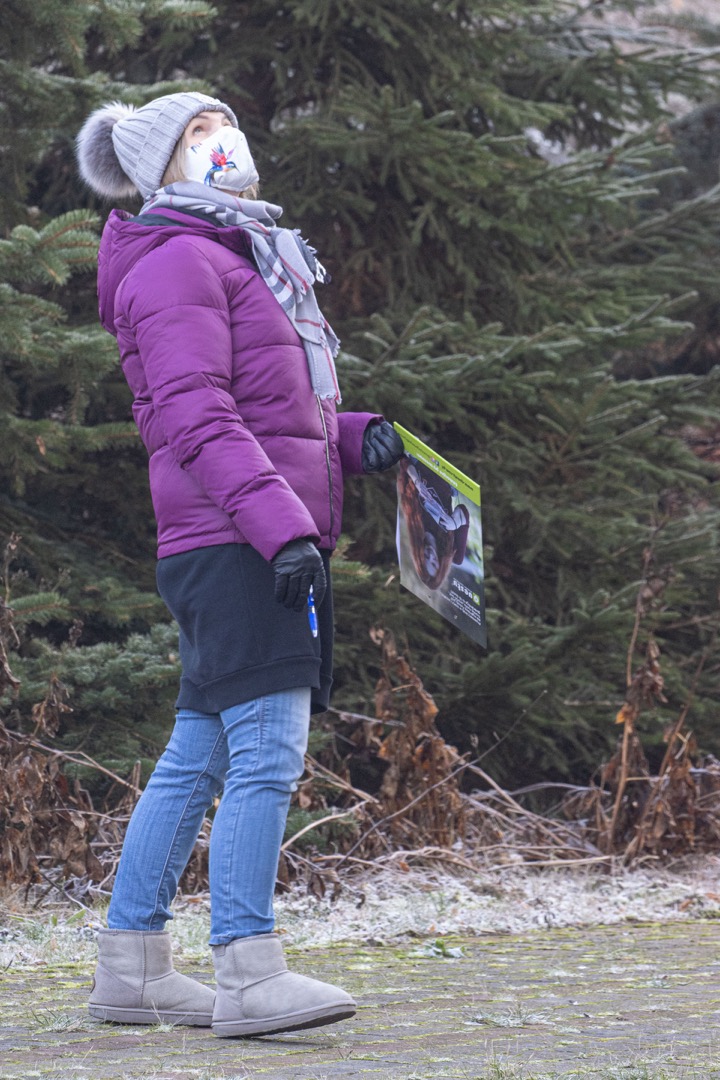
(635, 1002)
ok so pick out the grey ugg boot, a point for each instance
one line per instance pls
(135, 982)
(257, 995)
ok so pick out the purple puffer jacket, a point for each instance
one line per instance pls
(241, 449)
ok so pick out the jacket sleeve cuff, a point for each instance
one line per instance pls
(351, 428)
(270, 536)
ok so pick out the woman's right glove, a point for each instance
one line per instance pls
(297, 566)
(382, 447)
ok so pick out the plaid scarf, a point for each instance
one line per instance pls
(286, 262)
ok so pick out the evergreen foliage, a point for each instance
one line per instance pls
(498, 191)
(74, 504)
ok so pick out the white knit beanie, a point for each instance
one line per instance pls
(122, 150)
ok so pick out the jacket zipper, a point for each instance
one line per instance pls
(327, 462)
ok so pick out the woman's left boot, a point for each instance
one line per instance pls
(257, 995)
(135, 982)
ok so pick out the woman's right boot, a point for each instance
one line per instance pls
(257, 995)
(135, 982)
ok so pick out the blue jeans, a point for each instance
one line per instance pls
(254, 754)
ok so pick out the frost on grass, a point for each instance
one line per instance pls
(393, 907)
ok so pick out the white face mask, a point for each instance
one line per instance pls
(222, 160)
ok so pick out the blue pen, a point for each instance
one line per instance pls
(312, 613)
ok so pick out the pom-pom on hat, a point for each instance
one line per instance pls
(122, 150)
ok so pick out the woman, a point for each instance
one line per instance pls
(231, 365)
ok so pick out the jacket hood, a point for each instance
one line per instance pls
(126, 240)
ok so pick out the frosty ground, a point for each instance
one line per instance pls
(508, 974)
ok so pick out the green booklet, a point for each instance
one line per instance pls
(439, 536)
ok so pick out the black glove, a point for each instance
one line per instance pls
(382, 447)
(297, 566)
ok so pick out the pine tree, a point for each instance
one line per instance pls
(493, 187)
(493, 300)
(75, 509)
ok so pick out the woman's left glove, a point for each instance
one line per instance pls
(298, 566)
(382, 447)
